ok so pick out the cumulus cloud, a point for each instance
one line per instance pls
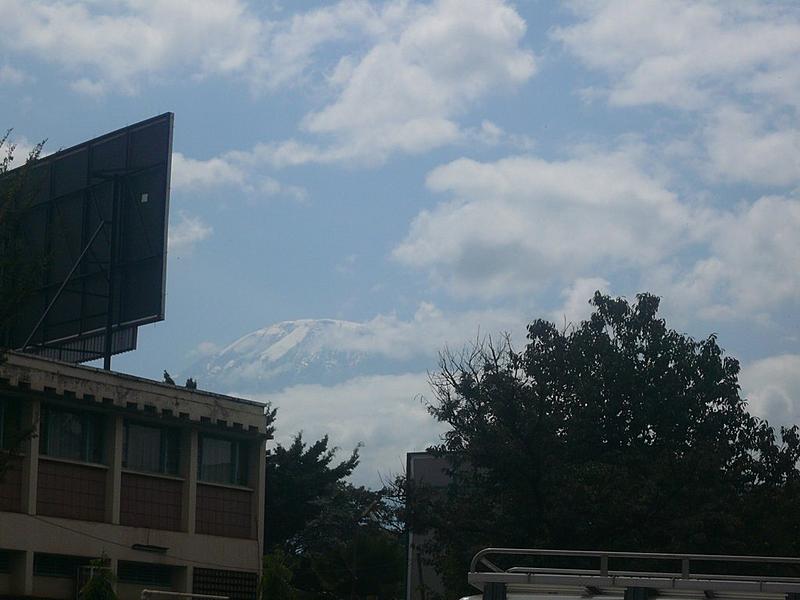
(772, 386)
(122, 42)
(576, 307)
(395, 76)
(734, 68)
(186, 233)
(518, 224)
(194, 175)
(750, 266)
(428, 331)
(684, 53)
(418, 68)
(189, 173)
(384, 412)
(743, 147)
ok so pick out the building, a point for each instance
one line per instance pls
(422, 580)
(166, 482)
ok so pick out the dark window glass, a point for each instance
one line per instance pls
(149, 448)
(144, 573)
(5, 561)
(222, 461)
(71, 434)
(58, 565)
(9, 423)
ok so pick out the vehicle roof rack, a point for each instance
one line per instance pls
(632, 575)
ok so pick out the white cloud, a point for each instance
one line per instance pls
(735, 67)
(576, 307)
(428, 331)
(10, 75)
(741, 147)
(772, 385)
(518, 224)
(415, 70)
(297, 42)
(385, 412)
(121, 42)
(750, 267)
(405, 92)
(89, 87)
(186, 233)
(189, 173)
(683, 53)
(205, 348)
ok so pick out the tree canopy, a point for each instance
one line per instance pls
(615, 433)
(324, 537)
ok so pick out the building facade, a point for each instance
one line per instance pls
(165, 482)
(422, 580)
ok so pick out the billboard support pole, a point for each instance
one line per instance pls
(112, 273)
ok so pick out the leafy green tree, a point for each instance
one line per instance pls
(616, 433)
(337, 540)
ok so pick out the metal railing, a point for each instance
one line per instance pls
(686, 571)
(147, 594)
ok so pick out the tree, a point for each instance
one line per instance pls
(616, 433)
(101, 583)
(324, 537)
(19, 270)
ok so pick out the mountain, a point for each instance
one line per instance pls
(305, 351)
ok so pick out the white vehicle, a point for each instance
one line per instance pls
(533, 574)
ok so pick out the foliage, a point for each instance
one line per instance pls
(276, 581)
(336, 539)
(101, 583)
(617, 433)
(18, 270)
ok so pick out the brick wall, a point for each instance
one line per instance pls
(224, 511)
(152, 502)
(71, 491)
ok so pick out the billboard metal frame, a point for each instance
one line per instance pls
(116, 334)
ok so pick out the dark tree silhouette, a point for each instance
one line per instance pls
(615, 433)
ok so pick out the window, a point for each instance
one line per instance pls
(151, 448)
(10, 423)
(146, 574)
(222, 461)
(58, 565)
(71, 434)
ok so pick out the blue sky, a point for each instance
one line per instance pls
(438, 168)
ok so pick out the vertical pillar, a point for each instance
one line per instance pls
(31, 415)
(113, 566)
(189, 503)
(184, 580)
(114, 477)
(22, 573)
(258, 479)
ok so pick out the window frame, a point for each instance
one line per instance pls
(165, 433)
(93, 435)
(240, 471)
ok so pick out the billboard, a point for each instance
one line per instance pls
(94, 217)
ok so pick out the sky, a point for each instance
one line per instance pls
(443, 170)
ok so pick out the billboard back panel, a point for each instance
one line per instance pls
(95, 217)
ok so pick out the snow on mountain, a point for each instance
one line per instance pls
(305, 351)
